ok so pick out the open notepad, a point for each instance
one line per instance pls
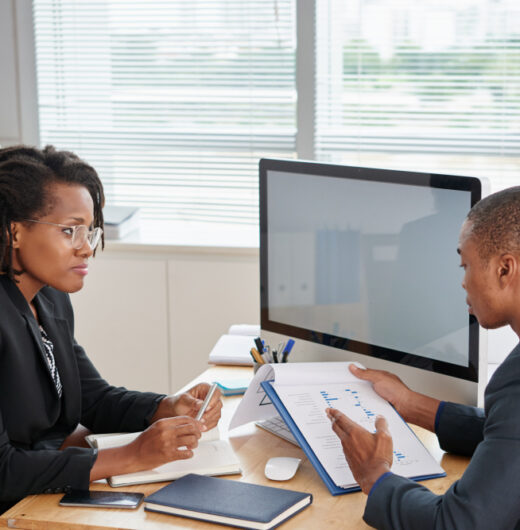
(212, 457)
(300, 393)
(234, 347)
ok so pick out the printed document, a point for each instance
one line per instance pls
(307, 389)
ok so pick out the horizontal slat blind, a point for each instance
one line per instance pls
(172, 101)
(431, 85)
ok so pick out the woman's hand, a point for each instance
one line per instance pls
(368, 455)
(412, 406)
(165, 440)
(189, 403)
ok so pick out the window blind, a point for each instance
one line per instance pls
(431, 85)
(172, 101)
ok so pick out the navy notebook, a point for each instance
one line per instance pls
(228, 502)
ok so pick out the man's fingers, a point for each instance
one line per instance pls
(339, 420)
(366, 374)
(382, 425)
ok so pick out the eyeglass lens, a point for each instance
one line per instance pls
(82, 234)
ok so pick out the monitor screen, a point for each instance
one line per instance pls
(366, 260)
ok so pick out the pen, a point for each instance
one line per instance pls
(252, 355)
(287, 350)
(209, 395)
(256, 356)
(259, 345)
(266, 356)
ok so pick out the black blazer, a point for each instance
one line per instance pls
(487, 494)
(32, 415)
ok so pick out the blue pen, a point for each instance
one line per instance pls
(287, 350)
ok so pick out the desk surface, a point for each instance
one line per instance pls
(253, 446)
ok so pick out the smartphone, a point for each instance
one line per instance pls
(102, 499)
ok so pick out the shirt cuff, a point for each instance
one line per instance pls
(378, 481)
(438, 415)
(153, 409)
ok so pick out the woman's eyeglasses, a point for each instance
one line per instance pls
(79, 234)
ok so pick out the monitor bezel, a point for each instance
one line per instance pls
(431, 180)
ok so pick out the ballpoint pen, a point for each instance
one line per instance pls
(205, 404)
(287, 350)
(259, 345)
(266, 356)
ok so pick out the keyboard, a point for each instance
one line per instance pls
(277, 426)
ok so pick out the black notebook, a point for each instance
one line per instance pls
(227, 502)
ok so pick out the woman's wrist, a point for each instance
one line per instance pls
(165, 408)
(115, 461)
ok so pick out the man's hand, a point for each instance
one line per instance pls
(387, 385)
(412, 406)
(189, 403)
(368, 455)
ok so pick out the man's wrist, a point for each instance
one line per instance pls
(372, 476)
(421, 410)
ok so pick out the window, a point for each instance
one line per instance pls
(175, 101)
(431, 85)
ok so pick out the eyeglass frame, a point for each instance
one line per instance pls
(94, 234)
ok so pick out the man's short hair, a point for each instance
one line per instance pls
(495, 223)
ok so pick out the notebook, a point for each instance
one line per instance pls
(234, 347)
(228, 502)
(212, 457)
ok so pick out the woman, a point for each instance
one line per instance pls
(51, 221)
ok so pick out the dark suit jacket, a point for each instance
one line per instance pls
(33, 418)
(488, 494)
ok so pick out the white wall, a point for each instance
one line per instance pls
(149, 318)
(18, 96)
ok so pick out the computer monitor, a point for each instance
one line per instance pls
(361, 264)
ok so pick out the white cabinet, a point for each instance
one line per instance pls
(148, 318)
(207, 294)
(122, 322)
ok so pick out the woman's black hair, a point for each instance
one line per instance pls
(26, 178)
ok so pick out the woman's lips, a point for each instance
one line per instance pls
(81, 269)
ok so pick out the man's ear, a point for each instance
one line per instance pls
(508, 269)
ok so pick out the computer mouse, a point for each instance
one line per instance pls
(281, 467)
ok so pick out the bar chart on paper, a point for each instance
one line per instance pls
(307, 404)
(366, 416)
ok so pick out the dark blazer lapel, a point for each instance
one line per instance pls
(58, 331)
(21, 304)
(44, 312)
(37, 337)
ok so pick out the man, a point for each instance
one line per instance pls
(488, 494)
